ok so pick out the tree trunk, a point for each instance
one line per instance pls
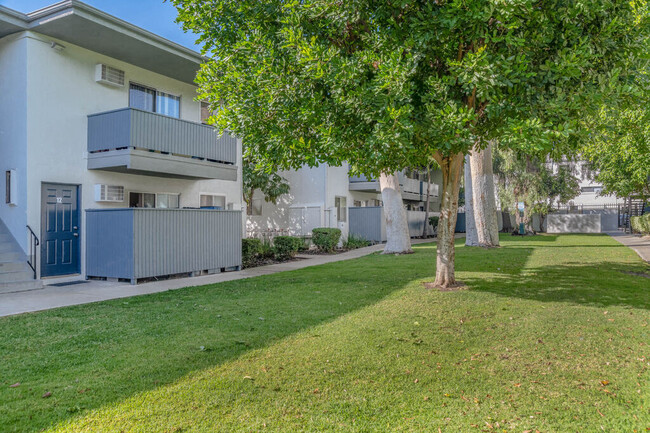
(426, 204)
(471, 237)
(248, 198)
(542, 218)
(528, 219)
(484, 197)
(629, 215)
(452, 168)
(398, 239)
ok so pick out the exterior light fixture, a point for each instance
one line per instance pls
(57, 46)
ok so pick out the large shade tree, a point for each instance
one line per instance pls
(391, 84)
(619, 151)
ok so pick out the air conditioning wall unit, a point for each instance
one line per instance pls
(109, 75)
(109, 193)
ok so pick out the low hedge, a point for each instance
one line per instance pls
(326, 239)
(286, 247)
(355, 242)
(641, 224)
(251, 249)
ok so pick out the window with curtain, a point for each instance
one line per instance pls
(148, 99)
(142, 98)
(169, 105)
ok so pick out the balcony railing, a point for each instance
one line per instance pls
(412, 189)
(141, 141)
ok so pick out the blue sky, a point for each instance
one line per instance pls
(153, 15)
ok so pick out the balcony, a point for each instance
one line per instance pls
(140, 142)
(411, 189)
(135, 243)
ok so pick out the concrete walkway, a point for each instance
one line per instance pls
(641, 245)
(94, 291)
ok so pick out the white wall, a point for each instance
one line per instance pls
(309, 188)
(61, 93)
(13, 132)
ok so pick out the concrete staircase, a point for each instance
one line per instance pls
(15, 273)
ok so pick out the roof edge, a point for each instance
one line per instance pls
(15, 17)
(28, 21)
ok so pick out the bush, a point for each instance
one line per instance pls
(355, 242)
(326, 239)
(286, 247)
(641, 224)
(267, 249)
(301, 243)
(251, 249)
(433, 222)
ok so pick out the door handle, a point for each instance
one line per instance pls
(75, 234)
(75, 227)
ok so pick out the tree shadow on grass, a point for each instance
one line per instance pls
(92, 355)
(591, 279)
(599, 285)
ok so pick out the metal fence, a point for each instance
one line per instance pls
(369, 223)
(140, 243)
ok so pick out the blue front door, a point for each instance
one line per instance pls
(60, 253)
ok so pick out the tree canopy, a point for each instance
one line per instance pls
(390, 84)
(271, 185)
(381, 83)
(619, 151)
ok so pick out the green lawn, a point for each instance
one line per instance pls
(553, 335)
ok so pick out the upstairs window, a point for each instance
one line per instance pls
(167, 104)
(148, 99)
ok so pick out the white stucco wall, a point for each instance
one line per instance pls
(316, 187)
(310, 188)
(13, 132)
(61, 92)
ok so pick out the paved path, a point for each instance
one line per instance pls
(641, 245)
(94, 291)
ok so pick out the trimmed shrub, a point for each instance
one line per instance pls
(641, 224)
(326, 239)
(250, 251)
(286, 247)
(355, 242)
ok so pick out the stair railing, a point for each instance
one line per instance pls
(33, 250)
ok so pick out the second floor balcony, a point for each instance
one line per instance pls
(134, 141)
(411, 189)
